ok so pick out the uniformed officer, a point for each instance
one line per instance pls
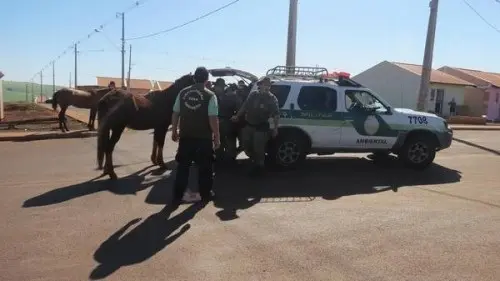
(258, 108)
(229, 104)
(197, 109)
(219, 87)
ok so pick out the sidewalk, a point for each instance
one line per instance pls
(458, 127)
(80, 114)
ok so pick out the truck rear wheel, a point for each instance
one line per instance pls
(288, 150)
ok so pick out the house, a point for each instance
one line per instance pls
(140, 86)
(485, 98)
(399, 84)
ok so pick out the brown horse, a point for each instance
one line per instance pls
(120, 109)
(78, 98)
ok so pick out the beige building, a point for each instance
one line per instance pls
(399, 84)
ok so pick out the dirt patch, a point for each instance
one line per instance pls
(30, 117)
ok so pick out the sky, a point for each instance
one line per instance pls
(250, 35)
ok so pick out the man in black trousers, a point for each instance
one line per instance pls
(195, 111)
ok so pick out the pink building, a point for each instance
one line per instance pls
(487, 82)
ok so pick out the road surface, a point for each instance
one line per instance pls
(339, 218)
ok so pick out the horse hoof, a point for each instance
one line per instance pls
(99, 168)
(162, 166)
(113, 176)
(153, 160)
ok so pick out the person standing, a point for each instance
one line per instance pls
(229, 104)
(258, 108)
(195, 112)
(453, 107)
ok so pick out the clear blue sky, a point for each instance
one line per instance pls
(251, 35)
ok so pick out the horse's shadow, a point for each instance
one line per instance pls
(128, 185)
(326, 178)
(142, 242)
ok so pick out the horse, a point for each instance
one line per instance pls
(120, 109)
(78, 98)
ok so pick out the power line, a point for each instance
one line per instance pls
(186, 23)
(88, 36)
(481, 17)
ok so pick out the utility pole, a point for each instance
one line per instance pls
(70, 79)
(53, 76)
(26, 92)
(32, 90)
(292, 34)
(123, 48)
(428, 53)
(76, 65)
(41, 85)
(129, 66)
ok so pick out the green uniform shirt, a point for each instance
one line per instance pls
(259, 107)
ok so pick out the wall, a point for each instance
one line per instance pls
(493, 111)
(450, 92)
(474, 100)
(397, 86)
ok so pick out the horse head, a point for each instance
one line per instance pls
(179, 84)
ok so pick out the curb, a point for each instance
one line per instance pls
(46, 136)
(489, 128)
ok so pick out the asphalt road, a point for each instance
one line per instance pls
(339, 218)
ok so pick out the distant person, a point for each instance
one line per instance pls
(453, 107)
(112, 85)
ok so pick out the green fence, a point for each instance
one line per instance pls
(23, 91)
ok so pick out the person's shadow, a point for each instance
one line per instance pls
(142, 242)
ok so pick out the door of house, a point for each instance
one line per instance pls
(438, 109)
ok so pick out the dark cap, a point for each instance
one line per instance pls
(265, 80)
(220, 81)
(201, 74)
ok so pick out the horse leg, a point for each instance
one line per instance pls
(115, 137)
(93, 112)
(153, 153)
(61, 118)
(63, 110)
(159, 138)
(102, 143)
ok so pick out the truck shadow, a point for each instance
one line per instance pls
(326, 178)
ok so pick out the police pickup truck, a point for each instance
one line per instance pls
(324, 113)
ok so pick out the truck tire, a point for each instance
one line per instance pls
(288, 150)
(418, 152)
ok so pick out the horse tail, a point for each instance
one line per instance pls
(102, 109)
(54, 100)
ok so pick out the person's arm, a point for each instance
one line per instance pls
(275, 111)
(244, 106)
(176, 114)
(213, 112)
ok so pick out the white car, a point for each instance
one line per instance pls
(324, 113)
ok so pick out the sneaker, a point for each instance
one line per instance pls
(190, 197)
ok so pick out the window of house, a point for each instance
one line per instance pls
(281, 92)
(433, 94)
(317, 98)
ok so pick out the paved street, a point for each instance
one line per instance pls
(339, 218)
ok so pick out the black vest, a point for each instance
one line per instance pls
(194, 121)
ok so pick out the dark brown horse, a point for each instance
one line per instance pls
(78, 98)
(120, 109)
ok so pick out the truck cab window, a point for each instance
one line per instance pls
(317, 98)
(363, 100)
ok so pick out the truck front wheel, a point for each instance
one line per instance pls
(418, 152)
